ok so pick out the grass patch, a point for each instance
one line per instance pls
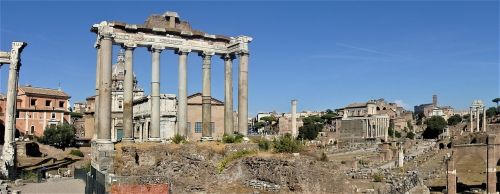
(29, 176)
(378, 177)
(237, 138)
(178, 139)
(76, 153)
(234, 156)
(287, 144)
(264, 144)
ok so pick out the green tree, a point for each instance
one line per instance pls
(491, 112)
(310, 131)
(259, 125)
(287, 144)
(435, 126)
(454, 120)
(329, 111)
(62, 135)
(394, 133)
(410, 135)
(270, 122)
(496, 100)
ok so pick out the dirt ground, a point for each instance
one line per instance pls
(63, 185)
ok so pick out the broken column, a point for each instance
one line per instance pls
(401, 156)
(294, 119)
(9, 152)
(491, 164)
(451, 175)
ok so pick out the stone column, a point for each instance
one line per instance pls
(451, 175)
(8, 166)
(471, 123)
(182, 90)
(386, 130)
(294, 119)
(477, 119)
(206, 109)
(155, 93)
(96, 99)
(491, 164)
(228, 94)
(104, 131)
(484, 119)
(243, 94)
(400, 156)
(128, 94)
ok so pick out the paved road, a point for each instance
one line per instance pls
(64, 185)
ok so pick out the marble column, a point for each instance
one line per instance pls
(96, 99)
(243, 94)
(294, 119)
(206, 109)
(228, 94)
(470, 119)
(104, 131)
(386, 130)
(491, 164)
(484, 119)
(477, 120)
(182, 90)
(451, 176)
(155, 93)
(128, 94)
(8, 166)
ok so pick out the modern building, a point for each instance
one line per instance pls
(432, 109)
(194, 124)
(38, 108)
(142, 117)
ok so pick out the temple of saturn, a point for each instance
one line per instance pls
(161, 33)
(475, 111)
(13, 58)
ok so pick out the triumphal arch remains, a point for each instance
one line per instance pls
(162, 33)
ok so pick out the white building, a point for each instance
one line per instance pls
(142, 116)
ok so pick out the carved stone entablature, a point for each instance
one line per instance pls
(17, 48)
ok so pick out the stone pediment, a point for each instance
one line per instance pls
(196, 99)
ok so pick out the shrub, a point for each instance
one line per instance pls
(177, 139)
(237, 138)
(87, 166)
(76, 153)
(264, 144)
(410, 135)
(234, 156)
(287, 144)
(323, 157)
(378, 177)
(29, 176)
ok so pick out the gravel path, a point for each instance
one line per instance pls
(64, 185)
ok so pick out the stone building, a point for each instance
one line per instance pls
(142, 117)
(38, 108)
(194, 117)
(285, 124)
(88, 118)
(79, 107)
(117, 96)
(432, 109)
(369, 120)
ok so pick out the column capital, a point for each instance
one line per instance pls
(208, 54)
(156, 48)
(182, 51)
(106, 35)
(129, 46)
(243, 52)
(228, 56)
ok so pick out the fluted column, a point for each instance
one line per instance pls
(294, 119)
(128, 94)
(206, 114)
(97, 85)
(182, 90)
(386, 130)
(155, 93)
(477, 119)
(470, 119)
(243, 94)
(104, 131)
(228, 94)
(484, 119)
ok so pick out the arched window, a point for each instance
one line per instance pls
(32, 131)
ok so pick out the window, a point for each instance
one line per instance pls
(17, 114)
(197, 127)
(33, 102)
(32, 131)
(53, 115)
(61, 104)
(120, 104)
(48, 102)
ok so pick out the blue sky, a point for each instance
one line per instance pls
(325, 54)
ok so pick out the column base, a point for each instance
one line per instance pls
(102, 153)
(128, 140)
(208, 138)
(154, 139)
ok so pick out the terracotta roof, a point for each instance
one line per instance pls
(43, 91)
(200, 94)
(356, 104)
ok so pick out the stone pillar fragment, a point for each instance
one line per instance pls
(400, 157)
(96, 99)
(243, 94)
(206, 115)
(470, 119)
(8, 166)
(128, 94)
(477, 120)
(155, 93)
(228, 94)
(491, 164)
(294, 119)
(386, 130)
(484, 119)
(451, 175)
(104, 131)
(182, 90)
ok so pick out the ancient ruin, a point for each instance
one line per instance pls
(476, 109)
(13, 58)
